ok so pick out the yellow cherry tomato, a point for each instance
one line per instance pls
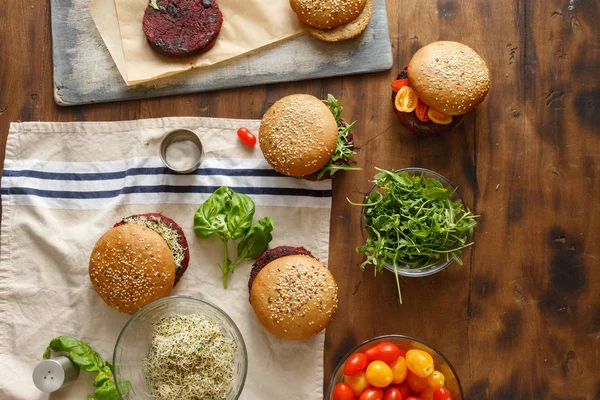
(379, 374)
(415, 383)
(419, 363)
(406, 99)
(439, 117)
(426, 394)
(399, 370)
(358, 383)
(436, 380)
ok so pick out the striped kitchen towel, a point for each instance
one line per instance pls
(65, 184)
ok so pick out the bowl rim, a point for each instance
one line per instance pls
(408, 272)
(340, 363)
(176, 298)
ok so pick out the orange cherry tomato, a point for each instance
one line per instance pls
(399, 84)
(439, 117)
(427, 394)
(406, 99)
(419, 363)
(421, 111)
(416, 383)
(355, 363)
(246, 137)
(343, 391)
(379, 374)
(442, 394)
(399, 370)
(436, 380)
(392, 394)
(385, 351)
(372, 394)
(357, 382)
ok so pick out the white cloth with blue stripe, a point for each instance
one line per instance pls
(65, 184)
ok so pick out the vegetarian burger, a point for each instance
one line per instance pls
(442, 82)
(303, 136)
(292, 293)
(138, 261)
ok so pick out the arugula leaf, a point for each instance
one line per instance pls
(256, 240)
(154, 5)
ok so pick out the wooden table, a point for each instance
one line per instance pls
(521, 318)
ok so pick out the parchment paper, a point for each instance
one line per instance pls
(247, 26)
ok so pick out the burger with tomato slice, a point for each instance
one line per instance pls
(443, 82)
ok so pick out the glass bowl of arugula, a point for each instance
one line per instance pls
(414, 223)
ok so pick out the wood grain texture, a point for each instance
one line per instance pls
(85, 73)
(521, 318)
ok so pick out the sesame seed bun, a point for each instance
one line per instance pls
(327, 14)
(294, 297)
(131, 266)
(449, 77)
(297, 135)
(347, 30)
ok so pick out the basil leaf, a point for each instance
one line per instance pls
(108, 391)
(239, 215)
(104, 375)
(256, 240)
(211, 217)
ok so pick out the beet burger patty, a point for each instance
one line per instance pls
(181, 28)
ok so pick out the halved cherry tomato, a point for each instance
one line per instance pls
(421, 111)
(427, 394)
(355, 363)
(357, 382)
(392, 394)
(406, 100)
(439, 117)
(419, 362)
(399, 370)
(379, 374)
(372, 394)
(386, 352)
(399, 84)
(415, 383)
(246, 137)
(442, 394)
(343, 391)
(436, 380)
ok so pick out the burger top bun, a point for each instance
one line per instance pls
(294, 297)
(298, 134)
(327, 14)
(449, 77)
(131, 266)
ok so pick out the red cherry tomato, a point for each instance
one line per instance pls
(413, 398)
(355, 363)
(372, 394)
(392, 394)
(246, 137)
(386, 352)
(421, 111)
(404, 390)
(399, 83)
(343, 392)
(442, 394)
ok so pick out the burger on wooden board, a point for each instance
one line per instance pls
(302, 136)
(442, 82)
(294, 296)
(334, 20)
(138, 261)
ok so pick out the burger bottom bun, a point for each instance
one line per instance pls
(347, 30)
(294, 297)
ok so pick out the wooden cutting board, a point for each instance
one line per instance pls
(84, 71)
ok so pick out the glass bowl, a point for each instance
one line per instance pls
(134, 342)
(441, 363)
(404, 270)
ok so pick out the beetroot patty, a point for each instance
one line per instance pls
(273, 254)
(182, 28)
(168, 222)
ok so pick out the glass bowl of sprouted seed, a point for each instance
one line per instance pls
(414, 223)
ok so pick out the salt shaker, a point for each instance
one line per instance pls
(55, 373)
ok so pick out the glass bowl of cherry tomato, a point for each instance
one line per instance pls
(394, 367)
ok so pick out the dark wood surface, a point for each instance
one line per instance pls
(521, 318)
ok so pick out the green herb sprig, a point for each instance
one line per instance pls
(413, 222)
(88, 360)
(229, 215)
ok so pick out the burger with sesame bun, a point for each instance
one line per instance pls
(305, 137)
(443, 82)
(293, 294)
(138, 261)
